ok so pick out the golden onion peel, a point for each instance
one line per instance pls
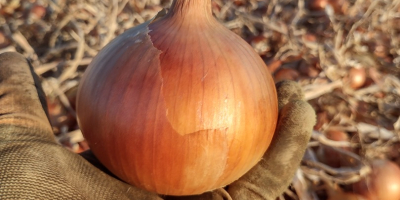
(178, 106)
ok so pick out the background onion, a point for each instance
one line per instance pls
(180, 106)
(383, 182)
(357, 77)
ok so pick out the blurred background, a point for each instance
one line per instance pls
(344, 53)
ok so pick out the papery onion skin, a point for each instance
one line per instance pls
(357, 77)
(382, 184)
(180, 106)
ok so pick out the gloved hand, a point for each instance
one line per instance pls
(34, 166)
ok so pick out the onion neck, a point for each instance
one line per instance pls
(191, 8)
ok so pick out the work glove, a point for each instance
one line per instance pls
(34, 166)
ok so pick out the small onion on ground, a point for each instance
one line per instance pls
(382, 184)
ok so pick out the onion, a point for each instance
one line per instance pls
(178, 106)
(339, 6)
(357, 77)
(317, 4)
(330, 156)
(286, 74)
(308, 69)
(336, 193)
(346, 196)
(37, 12)
(4, 42)
(382, 184)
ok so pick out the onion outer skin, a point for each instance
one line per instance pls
(383, 182)
(174, 121)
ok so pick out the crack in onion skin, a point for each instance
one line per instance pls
(180, 106)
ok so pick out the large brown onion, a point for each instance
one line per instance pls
(178, 106)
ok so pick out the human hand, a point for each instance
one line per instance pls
(34, 166)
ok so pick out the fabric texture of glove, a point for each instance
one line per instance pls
(34, 166)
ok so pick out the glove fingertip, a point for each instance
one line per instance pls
(297, 114)
(288, 91)
(295, 124)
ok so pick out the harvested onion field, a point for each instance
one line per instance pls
(344, 53)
